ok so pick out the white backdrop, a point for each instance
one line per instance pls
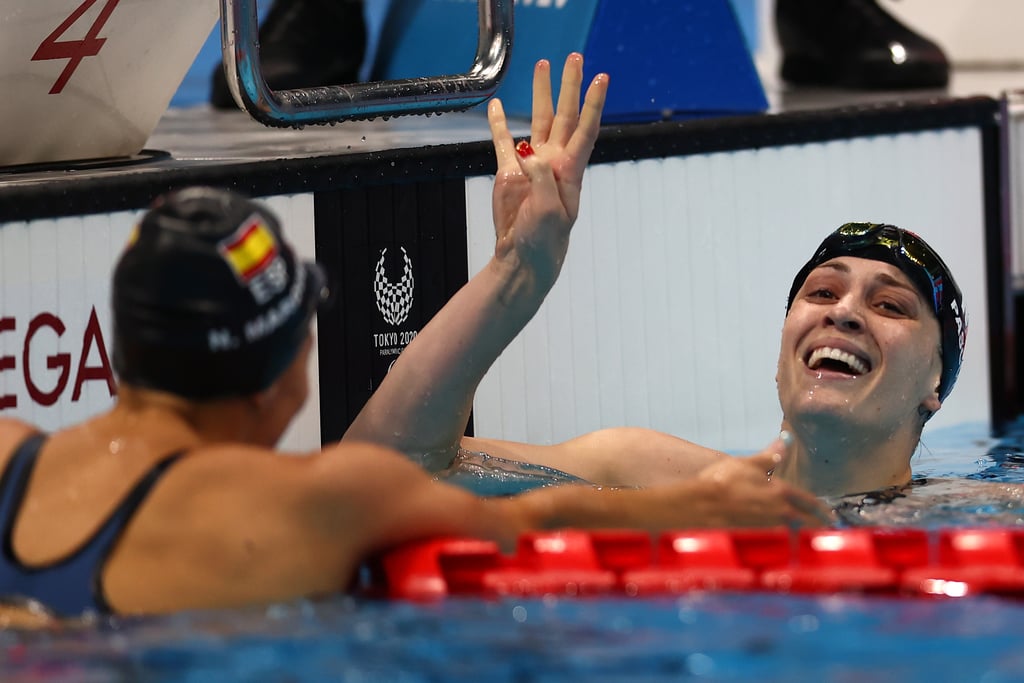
(62, 268)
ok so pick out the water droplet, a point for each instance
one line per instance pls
(804, 623)
(700, 664)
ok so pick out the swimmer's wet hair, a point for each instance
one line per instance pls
(209, 301)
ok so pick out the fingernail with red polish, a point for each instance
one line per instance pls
(524, 149)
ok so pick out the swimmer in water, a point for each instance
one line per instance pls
(872, 344)
(176, 497)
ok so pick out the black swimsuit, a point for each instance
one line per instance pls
(70, 586)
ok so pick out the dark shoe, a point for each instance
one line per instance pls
(304, 44)
(854, 44)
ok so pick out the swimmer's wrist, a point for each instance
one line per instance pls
(519, 281)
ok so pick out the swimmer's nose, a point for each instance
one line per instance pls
(845, 314)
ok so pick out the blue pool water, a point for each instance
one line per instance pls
(706, 637)
(714, 637)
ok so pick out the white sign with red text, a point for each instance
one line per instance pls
(89, 79)
(55, 323)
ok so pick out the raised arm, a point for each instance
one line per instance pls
(422, 406)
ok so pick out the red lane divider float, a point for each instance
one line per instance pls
(945, 562)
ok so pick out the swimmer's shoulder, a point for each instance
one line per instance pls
(12, 432)
(15, 430)
(259, 468)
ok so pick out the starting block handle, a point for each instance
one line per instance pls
(333, 103)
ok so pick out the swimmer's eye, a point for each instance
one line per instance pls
(892, 307)
(897, 308)
(821, 293)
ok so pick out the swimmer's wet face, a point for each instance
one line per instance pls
(855, 348)
(921, 264)
(209, 300)
(861, 281)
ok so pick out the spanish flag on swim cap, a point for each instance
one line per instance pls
(250, 249)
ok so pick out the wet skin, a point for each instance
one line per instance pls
(858, 371)
(870, 310)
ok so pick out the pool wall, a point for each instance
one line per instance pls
(668, 311)
(667, 314)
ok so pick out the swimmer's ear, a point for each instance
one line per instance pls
(931, 402)
(261, 401)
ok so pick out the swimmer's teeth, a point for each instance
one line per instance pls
(850, 360)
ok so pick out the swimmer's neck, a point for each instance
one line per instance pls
(242, 420)
(834, 462)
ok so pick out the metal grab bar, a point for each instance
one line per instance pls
(332, 103)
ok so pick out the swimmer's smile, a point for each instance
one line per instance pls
(832, 361)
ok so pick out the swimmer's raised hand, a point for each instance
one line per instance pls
(537, 188)
(422, 406)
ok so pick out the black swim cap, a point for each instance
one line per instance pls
(209, 301)
(920, 263)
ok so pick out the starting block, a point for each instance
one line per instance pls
(90, 79)
(667, 59)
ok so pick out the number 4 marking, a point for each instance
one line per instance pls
(74, 50)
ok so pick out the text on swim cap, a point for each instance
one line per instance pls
(275, 316)
(264, 324)
(961, 327)
(267, 284)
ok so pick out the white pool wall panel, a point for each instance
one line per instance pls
(670, 305)
(62, 267)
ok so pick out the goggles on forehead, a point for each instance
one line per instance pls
(904, 245)
(920, 263)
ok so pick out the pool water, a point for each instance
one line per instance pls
(961, 479)
(714, 637)
(717, 636)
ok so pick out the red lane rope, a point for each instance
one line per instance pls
(900, 561)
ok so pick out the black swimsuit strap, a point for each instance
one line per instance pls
(72, 584)
(13, 484)
(105, 540)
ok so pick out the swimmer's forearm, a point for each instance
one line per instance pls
(688, 504)
(504, 519)
(589, 507)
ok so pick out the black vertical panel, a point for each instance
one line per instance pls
(386, 241)
(431, 218)
(332, 350)
(1003, 351)
(454, 206)
(400, 251)
(456, 238)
